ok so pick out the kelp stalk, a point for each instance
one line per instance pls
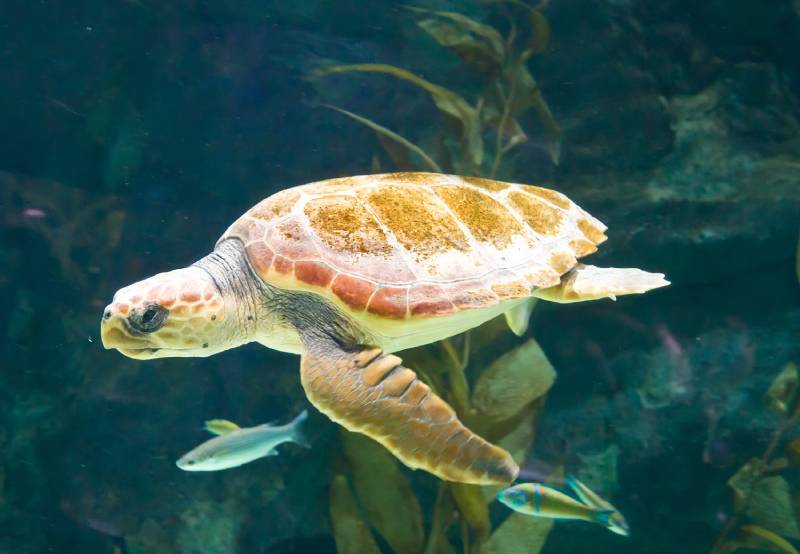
(501, 149)
(762, 468)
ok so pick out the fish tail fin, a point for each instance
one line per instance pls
(575, 485)
(298, 433)
(571, 481)
(603, 517)
(584, 493)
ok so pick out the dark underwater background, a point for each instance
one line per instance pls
(135, 131)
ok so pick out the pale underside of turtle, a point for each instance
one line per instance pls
(346, 271)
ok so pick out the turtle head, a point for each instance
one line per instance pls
(177, 313)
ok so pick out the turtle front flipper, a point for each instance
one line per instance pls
(587, 282)
(372, 393)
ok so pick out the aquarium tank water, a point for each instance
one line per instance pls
(411, 277)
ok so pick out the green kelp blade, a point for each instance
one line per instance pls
(398, 153)
(516, 436)
(540, 33)
(458, 393)
(743, 481)
(475, 43)
(770, 506)
(529, 96)
(472, 505)
(492, 36)
(754, 536)
(513, 381)
(539, 27)
(782, 393)
(443, 516)
(473, 52)
(386, 496)
(492, 117)
(489, 334)
(515, 132)
(766, 501)
(220, 426)
(446, 100)
(518, 534)
(550, 127)
(350, 531)
(388, 133)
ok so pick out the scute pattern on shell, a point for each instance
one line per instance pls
(416, 244)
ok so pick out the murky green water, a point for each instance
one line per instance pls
(137, 131)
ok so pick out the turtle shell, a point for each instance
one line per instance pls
(411, 245)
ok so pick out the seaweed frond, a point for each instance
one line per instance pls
(509, 91)
(388, 133)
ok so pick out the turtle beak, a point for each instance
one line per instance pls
(116, 333)
(109, 329)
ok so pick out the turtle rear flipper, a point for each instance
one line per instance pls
(372, 393)
(587, 282)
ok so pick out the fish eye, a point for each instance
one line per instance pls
(191, 462)
(511, 495)
(151, 319)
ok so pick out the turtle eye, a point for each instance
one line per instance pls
(151, 319)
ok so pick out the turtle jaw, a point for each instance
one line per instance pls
(117, 334)
(152, 353)
(139, 353)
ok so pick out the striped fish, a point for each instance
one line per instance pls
(539, 500)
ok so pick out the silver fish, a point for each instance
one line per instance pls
(236, 446)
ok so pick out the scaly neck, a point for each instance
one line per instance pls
(242, 290)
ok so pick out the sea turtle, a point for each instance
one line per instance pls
(346, 271)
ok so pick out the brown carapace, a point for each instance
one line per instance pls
(416, 244)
